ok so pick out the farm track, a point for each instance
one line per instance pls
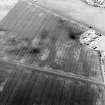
(48, 71)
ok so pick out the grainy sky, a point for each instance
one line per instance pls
(5, 6)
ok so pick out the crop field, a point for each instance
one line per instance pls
(42, 61)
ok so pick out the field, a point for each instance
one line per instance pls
(70, 74)
(5, 6)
